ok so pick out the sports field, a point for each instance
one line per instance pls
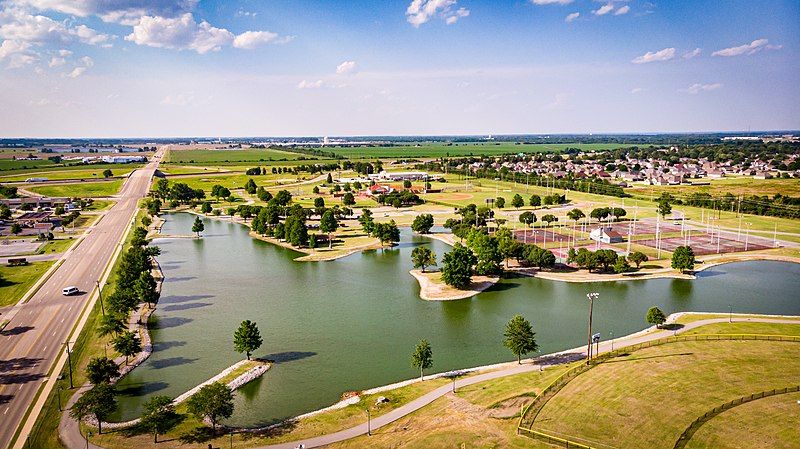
(465, 149)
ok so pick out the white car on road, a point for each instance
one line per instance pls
(71, 290)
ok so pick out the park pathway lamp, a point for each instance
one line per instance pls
(592, 296)
(369, 423)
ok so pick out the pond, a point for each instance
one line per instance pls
(351, 324)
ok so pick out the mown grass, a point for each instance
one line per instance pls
(741, 185)
(771, 422)
(748, 328)
(464, 149)
(80, 189)
(227, 156)
(79, 172)
(646, 399)
(16, 281)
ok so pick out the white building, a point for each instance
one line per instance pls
(605, 235)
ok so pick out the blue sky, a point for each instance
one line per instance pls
(111, 68)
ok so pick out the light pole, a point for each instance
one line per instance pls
(58, 393)
(369, 424)
(747, 236)
(100, 296)
(612, 340)
(592, 296)
(730, 313)
(69, 363)
(231, 439)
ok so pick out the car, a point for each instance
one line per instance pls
(71, 290)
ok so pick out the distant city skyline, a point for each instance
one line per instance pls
(156, 68)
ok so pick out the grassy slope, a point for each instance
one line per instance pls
(18, 280)
(618, 401)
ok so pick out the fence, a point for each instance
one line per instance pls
(697, 423)
(531, 411)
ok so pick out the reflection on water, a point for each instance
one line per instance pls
(351, 324)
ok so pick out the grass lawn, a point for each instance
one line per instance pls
(79, 172)
(646, 399)
(81, 189)
(56, 246)
(228, 156)
(464, 149)
(748, 328)
(11, 164)
(770, 422)
(692, 317)
(16, 281)
(100, 205)
(742, 185)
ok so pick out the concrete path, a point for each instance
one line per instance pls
(69, 432)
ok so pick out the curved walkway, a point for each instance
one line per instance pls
(71, 437)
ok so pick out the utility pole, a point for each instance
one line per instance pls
(592, 297)
(100, 296)
(69, 363)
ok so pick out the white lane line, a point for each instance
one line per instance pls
(7, 409)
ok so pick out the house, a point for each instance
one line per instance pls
(123, 159)
(763, 175)
(605, 235)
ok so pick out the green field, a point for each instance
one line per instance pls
(464, 149)
(18, 280)
(647, 398)
(12, 164)
(71, 172)
(735, 185)
(80, 189)
(205, 157)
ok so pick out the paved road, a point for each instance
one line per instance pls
(72, 438)
(34, 338)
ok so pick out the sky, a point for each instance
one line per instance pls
(156, 68)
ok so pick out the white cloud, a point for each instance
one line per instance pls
(126, 12)
(697, 88)
(180, 99)
(184, 33)
(17, 53)
(57, 61)
(19, 24)
(747, 49)
(310, 84)
(691, 54)
(421, 11)
(551, 2)
(85, 62)
(661, 55)
(572, 17)
(345, 67)
(76, 72)
(637, 90)
(251, 39)
(603, 10)
(622, 10)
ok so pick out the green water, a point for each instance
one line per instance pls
(351, 324)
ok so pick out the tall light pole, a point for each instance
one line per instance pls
(369, 424)
(69, 363)
(592, 297)
(100, 296)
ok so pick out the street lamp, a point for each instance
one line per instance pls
(592, 296)
(369, 424)
(612, 340)
(69, 363)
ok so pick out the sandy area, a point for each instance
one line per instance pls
(431, 287)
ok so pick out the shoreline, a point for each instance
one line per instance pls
(431, 290)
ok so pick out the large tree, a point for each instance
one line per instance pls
(637, 258)
(247, 338)
(683, 258)
(520, 337)
(198, 226)
(575, 214)
(656, 316)
(422, 358)
(159, 415)
(128, 344)
(146, 288)
(101, 369)
(517, 201)
(457, 266)
(422, 223)
(386, 232)
(328, 224)
(423, 257)
(99, 402)
(507, 246)
(212, 401)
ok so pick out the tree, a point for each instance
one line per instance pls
(575, 214)
(517, 201)
(198, 226)
(250, 187)
(637, 258)
(107, 173)
(329, 179)
(656, 316)
(348, 199)
(507, 246)
(457, 266)
(205, 207)
(520, 337)
(16, 228)
(500, 202)
(606, 257)
(99, 402)
(328, 224)
(683, 258)
(422, 357)
(600, 213)
(386, 232)
(549, 218)
(535, 201)
(366, 220)
(127, 343)
(528, 218)
(621, 265)
(406, 184)
(423, 257)
(487, 253)
(319, 202)
(112, 323)
(159, 415)
(263, 195)
(247, 338)
(101, 369)
(664, 206)
(145, 288)
(422, 223)
(212, 401)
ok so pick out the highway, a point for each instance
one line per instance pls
(34, 339)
